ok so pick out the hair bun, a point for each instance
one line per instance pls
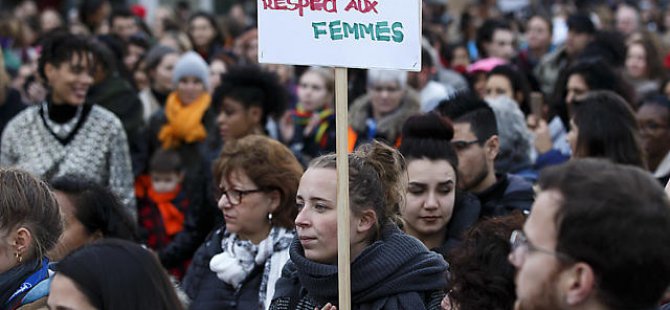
(428, 126)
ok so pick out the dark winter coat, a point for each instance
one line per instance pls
(203, 215)
(118, 96)
(509, 193)
(207, 291)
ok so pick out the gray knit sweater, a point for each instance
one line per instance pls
(98, 151)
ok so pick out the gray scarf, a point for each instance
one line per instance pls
(396, 272)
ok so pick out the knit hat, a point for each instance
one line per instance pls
(191, 64)
(156, 54)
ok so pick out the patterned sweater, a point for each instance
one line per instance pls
(98, 150)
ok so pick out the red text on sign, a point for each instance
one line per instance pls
(363, 6)
(301, 6)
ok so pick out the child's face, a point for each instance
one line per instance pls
(164, 182)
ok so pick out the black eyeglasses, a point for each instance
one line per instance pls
(234, 196)
(521, 247)
(461, 145)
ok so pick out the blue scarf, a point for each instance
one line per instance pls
(15, 283)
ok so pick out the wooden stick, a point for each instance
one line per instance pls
(342, 131)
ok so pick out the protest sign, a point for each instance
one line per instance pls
(383, 34)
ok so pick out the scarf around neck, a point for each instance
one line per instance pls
(395, 272)
(303, 118)
(16, 282)
(173, 218)
(184, 122)
(240, 257)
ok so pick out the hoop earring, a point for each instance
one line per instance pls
(19, 257)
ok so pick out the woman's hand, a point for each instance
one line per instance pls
(328, 306)
(286, 127)
(314, 122)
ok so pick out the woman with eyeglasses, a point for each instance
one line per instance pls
(239, 263)
(380, 114)
(436, 213)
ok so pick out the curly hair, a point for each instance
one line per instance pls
(253, 86)
(481, 275)
(61, 47)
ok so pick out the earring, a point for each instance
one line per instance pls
(19, 257)
(270, 217)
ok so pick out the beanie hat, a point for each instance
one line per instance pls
(155, 55)
(191, 64)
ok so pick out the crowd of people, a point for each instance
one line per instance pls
(148, 161)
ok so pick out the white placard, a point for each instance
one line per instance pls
(383, 34)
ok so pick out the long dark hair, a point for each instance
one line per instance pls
(607, 129)
(211, 19)
(118, 274)
(598, 75)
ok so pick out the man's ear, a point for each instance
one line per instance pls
(578, 284)
(492, 147)
(23, 240)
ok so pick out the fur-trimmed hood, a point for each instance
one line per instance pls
(390, 126)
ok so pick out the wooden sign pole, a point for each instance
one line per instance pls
(342, 131)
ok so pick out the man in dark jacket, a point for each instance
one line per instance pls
(477, 145)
